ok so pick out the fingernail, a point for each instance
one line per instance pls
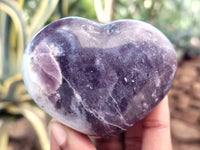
(59, 133)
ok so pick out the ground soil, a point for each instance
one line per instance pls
(184, 102)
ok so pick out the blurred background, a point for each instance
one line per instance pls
(24, 126)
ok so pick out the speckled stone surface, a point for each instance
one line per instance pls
(98, 79)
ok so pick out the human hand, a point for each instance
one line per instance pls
(152, 133)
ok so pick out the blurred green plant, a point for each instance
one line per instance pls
(177, 19)
(16, 29)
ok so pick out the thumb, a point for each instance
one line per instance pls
(65, 138)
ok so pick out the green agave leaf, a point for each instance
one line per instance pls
(63, 7)
(2, 91)
(11, 93)
(12, 8)
(2, 45)
(4, 135)
(4, 105)
(38, 126)
(21, 3)
(14, 89)
(45, 10)
(10, 85)
(36, 122)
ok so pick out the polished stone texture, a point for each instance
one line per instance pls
(98, 79)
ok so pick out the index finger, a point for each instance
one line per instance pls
(156, 128)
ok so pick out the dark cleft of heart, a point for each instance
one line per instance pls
(99, 79)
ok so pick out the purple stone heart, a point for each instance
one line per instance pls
(99, 79)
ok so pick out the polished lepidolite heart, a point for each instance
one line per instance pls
(99, 79)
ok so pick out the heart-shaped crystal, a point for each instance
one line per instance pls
(99, 79)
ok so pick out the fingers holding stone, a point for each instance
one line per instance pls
(65, 138)
(114, 143)
(156, 128)
(133, 137)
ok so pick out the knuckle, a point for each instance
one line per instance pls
(155, 124)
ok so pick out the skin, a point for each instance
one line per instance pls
(152, 133)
